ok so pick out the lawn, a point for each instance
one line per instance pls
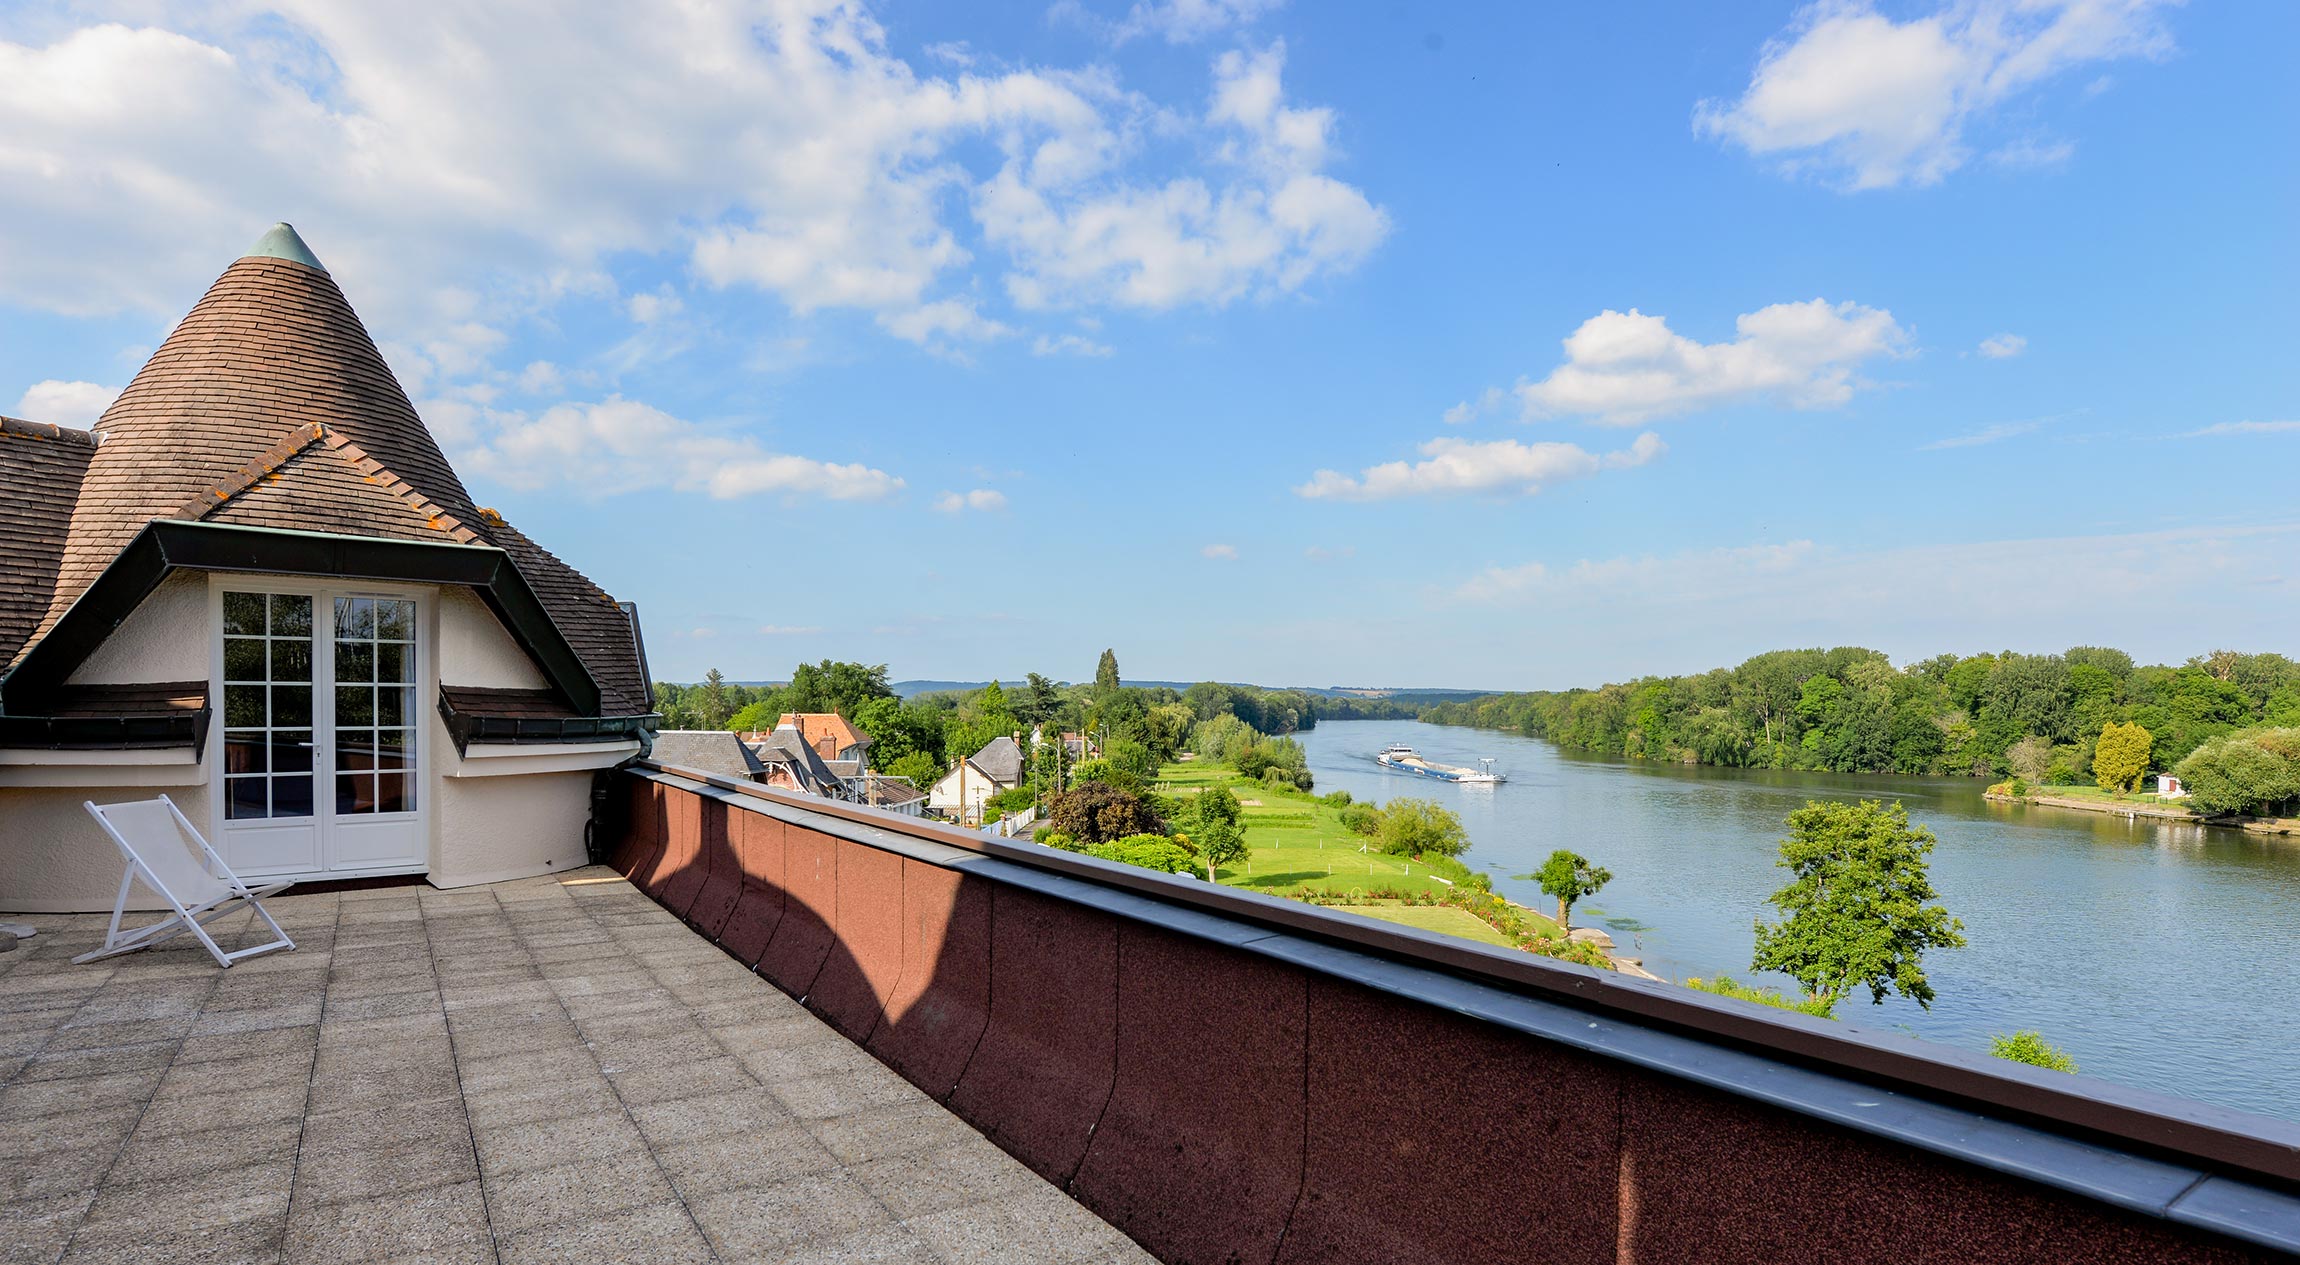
(1439, 918)
(1300, 842)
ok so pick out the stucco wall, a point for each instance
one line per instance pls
(487, 829)
(164, 639)
(54, 858)
(474, 649)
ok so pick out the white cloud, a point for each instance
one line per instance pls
(2030, 153)
(1272, 224)
(60, 403)
(1224, 553)
(1470, 410)
(1985, 435)
(2003, 346)
(945, 320)
(616, 445)
(1069, 345)
(653, 306)
(2244, 428)
(978, 499)
(524, 148)
(1617, 576)
(1455, 466)
(1867, 102)
(1175, 21)
(1622, 368)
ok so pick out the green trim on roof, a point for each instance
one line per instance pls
(281, 242)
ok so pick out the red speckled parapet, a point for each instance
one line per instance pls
(1199, 1156)
(1228, 1104)
(1042, 1072)
(681, 874)
(936, 1014)
(722, 872)
(759, 851)
(810, 902)
(863, 967)
(1752, 1186)
(1421, 1114)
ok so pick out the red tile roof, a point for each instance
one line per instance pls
(40, 472)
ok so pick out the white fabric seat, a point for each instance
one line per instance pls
(161, 847)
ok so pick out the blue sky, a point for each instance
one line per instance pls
(1513, 346)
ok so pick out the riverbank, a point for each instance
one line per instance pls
(2077, 799)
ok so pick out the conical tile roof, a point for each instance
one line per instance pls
(269, 402)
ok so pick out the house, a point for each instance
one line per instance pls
(2169, 787)
(895, 794)
(962, 792)
(789, 761)
(257, 586)
(709, 750)
(830, 734)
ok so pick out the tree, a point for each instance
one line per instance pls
(1857, 912)
(920, 768)
(1095, 812)
(1570, 877)
(1106, 673)
(2248, 771)
(2031, 1048)
(2121, 756)
(713, 710)
(1212, 828)
(1413, 827)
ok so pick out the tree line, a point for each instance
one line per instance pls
(1850, 710)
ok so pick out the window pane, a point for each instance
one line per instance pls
(291, 796)
(291, 615)
(244, 614)
(394, 621)
(291, 751)
(354, 661)
(354, 793)
(354, 706)
(391, 705)
(244, 797)
(244, 751)
(291, 661)
(355, 618)
(391, 793)
(388, 758)
(291, 706)
(394, 663)
(243, 659)
(244, 706)
(395, 739)
(355, 750)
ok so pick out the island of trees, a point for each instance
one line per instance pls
(2227, 722)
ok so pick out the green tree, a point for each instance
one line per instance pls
(1095, 812)
(1857, 913)
(1413, 827)
(2121, 756)
(713, 708)
(1213, 829)
(1570, 878)
(2249, 771)
(2031, 1048)
(920, 768)
(1106, 673)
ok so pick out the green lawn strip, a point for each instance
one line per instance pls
(1442, 919)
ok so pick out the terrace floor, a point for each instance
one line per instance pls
(547, 1070)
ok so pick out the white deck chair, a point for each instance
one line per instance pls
(162, 848)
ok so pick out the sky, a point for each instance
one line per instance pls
(1503, 346)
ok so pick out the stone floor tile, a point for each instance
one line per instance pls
(293, 1014)
(898, 1129)
(524, 1147)
(153, 1156)
(104, 1036)
(96, 1126)
(546, 1100)
(820, 1097)
(880, 1245)
(692, 1119)
(208, 1199)
(593, 1188)
(351, 1090)
(426, 1024)
(932, 1181)
(756, 1222)
(658, 1235)
(551, 1032)
(665, 1083)
(56, 1171)
(37, 1229)
(380, 1006)
(242, 1045)
(238, 1243)
(190, 1113)
(742, 1161)
(118, 1060)
(832, 1054)
(26, 1100)
(441, 1223)
(525, 1067)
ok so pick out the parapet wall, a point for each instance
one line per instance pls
(1225, 1088)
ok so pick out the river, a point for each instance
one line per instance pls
(2161, 955)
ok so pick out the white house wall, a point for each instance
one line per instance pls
(54, 859)
(488, 829)
(476, 651)
(164, 639)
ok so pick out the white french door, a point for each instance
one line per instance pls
(321, 762)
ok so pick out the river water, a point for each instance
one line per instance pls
(2161, 955)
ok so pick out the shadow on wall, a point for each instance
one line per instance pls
(1219, 1105)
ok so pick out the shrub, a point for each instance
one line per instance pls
(1057, 839)
(2031, 1048)
(2249, 771)
(1411, 827)
(1727, 986)
(1013, 800)
(1096, 812)
(1364, 819)
(1335, 799)
(1151, 852)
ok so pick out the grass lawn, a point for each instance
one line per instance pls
(1438, 918)
(2139, 799)
(1299, 842)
